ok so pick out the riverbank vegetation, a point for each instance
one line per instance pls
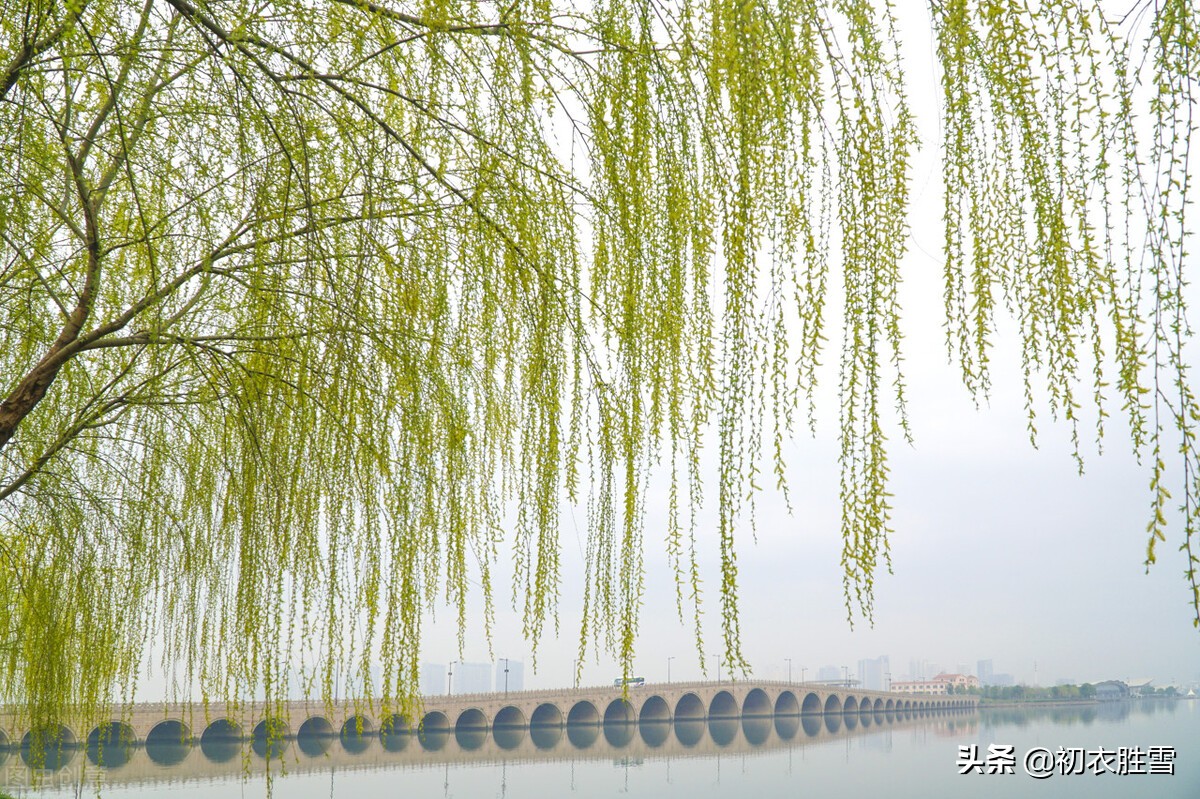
(1084, 692)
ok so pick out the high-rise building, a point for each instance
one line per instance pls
(514, 680)
(872, 674)
(472, 678)
(433, 679)
(984, 672)
(923, 670)
(829, 673)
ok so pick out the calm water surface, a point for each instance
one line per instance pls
(899, 756)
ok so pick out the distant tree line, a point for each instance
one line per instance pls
(1034, 693)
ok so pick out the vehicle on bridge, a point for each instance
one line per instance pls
(632, 682)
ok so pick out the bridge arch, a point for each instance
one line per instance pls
(394, 732)
(169, 742)
(49, 748)
(811, 706)
(723, 706)
(356, 734)
(435, 721)
(877, 706)
(471, 729)
(471, 719)
(314, 736)
(510, 716)
(169, 731)
(655, 708)
(756, 703)
(271, 728)
(619, 711)
(546, 714)
(221, 730)
(833, 705)
(109, 745)
(313, 727)
(850, 705)
(434, 730)
(268, 738)
(508, 727)
(786, 704)
(221, 741)
(583, 712)
(689, 708)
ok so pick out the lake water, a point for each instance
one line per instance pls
(899, 756)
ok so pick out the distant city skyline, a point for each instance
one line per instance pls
(469, 677)
(872, 673)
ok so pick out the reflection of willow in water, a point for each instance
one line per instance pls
(319, 746)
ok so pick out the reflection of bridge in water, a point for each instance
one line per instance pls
(157, 742)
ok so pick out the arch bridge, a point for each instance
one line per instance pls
(166, 730)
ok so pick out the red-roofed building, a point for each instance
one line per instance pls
(938, 685)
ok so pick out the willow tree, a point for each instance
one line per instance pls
(306, 307)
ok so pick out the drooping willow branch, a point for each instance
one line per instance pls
(299, 307)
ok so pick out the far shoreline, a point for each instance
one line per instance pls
(984, 704)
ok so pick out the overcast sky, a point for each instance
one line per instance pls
(1001, 551)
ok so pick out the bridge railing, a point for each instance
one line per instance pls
(536, 693)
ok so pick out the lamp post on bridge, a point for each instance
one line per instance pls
(450, 678)
(789, 662)
(718, 659)
(505, 675)
(802, 670)
(672, 657)
(887, 677)
(846, 676)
